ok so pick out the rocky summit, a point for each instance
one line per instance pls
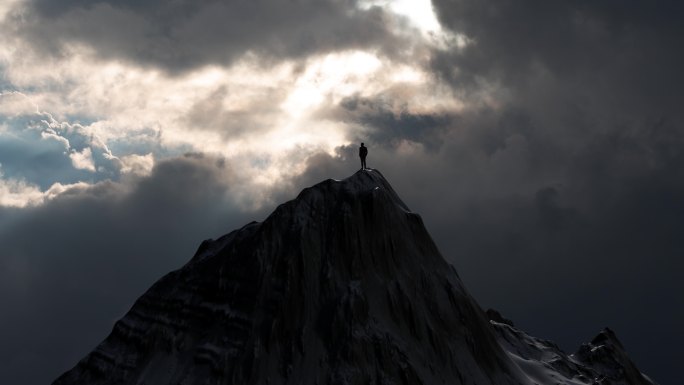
(342, 285)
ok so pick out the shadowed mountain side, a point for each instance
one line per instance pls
(602, 361)
(342, 285)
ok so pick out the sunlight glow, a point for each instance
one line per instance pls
(6, 6)
(419, 12)
(264, 121)
(338, 73)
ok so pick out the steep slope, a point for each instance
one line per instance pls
(342, 285)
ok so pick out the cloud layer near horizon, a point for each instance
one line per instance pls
(73, 265)
(541, 142)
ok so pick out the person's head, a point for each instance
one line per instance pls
(361, 144)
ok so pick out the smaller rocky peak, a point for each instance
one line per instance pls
(607, 356)
(607, 337)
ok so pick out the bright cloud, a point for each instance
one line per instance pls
(18, 193)
(113, 117)
(419, 12)
(83, 160)
(137, 164)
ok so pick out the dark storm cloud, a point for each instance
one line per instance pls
(386, 120)
(596, 57)
(513, 39)
(70, 268)
(561, 202)
(184, 34)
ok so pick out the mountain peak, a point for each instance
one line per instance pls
(607, 336)
(606, 354)
(361, 182)
(341, 285)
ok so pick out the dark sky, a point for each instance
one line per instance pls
(541, 141)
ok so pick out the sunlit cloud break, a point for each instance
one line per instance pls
(115, 117)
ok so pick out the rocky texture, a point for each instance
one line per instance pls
(607, 357)
(342, 285)
(603, 361)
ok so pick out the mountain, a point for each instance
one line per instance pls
(342, 285)
(602, 361)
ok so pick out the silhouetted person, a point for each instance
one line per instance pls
(363, 151)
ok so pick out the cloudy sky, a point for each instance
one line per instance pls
(541, 141)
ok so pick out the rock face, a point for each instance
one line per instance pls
(342, 285)
(603, 361)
